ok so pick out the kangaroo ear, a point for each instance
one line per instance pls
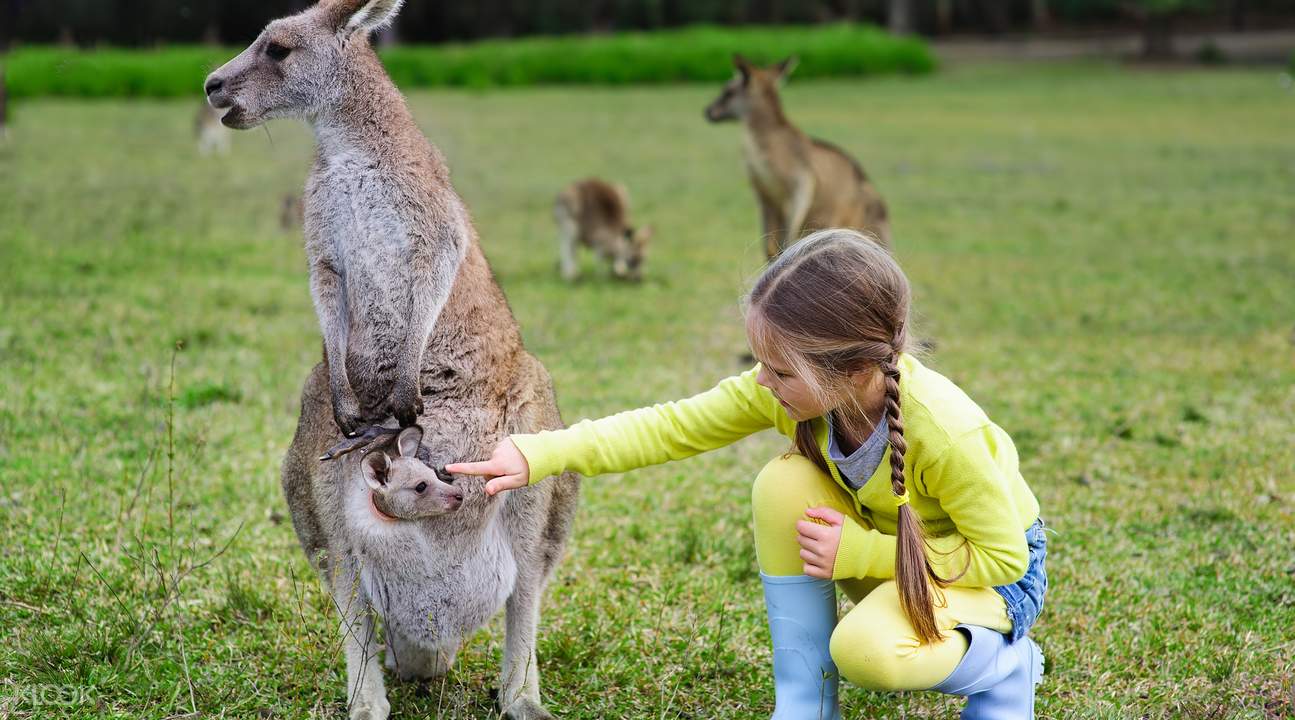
(785, 67)
(743, 66)
(408, 439)
(363, 15)
(375, 466)
(643, 235)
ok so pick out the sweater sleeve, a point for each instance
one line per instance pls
(988, 540)
(731, 410)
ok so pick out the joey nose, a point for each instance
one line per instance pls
(213, 84)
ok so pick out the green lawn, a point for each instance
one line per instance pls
(1105, 258)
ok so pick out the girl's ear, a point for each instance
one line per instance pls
(408, 439)
(375, 467)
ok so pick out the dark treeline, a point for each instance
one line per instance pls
(148, 22)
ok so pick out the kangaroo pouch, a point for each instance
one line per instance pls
(436, 596)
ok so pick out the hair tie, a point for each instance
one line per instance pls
(901, 500)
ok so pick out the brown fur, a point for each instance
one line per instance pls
(800, 183)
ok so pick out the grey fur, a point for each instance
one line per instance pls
(414, 324)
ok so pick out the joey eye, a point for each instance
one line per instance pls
(276, 51)
(420, 488)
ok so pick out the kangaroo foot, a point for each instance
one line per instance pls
(371, 435)
(526, 709)
(370, 707)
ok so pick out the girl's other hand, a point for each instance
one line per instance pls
(506, 469)
(819, 539)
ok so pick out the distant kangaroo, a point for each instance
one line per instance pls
(212, 136)
(595, 213)
(801, 183)
(414, 324)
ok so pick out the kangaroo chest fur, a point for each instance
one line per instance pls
(761, 155)
(434, 581)
(353, 225)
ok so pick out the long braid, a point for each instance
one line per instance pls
(912, 568)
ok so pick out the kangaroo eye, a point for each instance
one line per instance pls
(422, 486)
(277, 51)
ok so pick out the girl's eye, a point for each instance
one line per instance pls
(277, 51)
(421, 487)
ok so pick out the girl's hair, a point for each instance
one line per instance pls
(832, 305)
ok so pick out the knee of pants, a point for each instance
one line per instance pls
(786, 487)
(872, 646)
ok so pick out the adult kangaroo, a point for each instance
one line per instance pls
(414, 325)
(801, 183)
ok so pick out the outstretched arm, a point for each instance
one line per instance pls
(733, 409)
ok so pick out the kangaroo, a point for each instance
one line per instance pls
(801, 183)
(413, 322)
(212, 136)
(595, 214)
(291, 212)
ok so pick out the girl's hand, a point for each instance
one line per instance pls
(506, 469)
(819, 541)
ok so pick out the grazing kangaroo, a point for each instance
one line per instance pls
(801, 183)
(212, 136)
(413, 321)
(594, 213)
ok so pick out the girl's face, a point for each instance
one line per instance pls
(792, 391)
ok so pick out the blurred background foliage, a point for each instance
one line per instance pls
(146, 22)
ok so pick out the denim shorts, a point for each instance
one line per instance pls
(1025, 596)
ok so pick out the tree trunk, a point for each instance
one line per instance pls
(1237, 14)
(211, 33)
(1158, 37)
(943, 16)
(900, 17)
(1040, 15)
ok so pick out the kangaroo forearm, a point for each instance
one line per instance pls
(330, 307)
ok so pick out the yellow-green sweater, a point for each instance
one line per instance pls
(961, 470)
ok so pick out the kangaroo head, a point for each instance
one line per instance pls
(403, 487)
(631, 249)
(751, 87)
(296, 67)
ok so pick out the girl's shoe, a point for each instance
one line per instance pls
(802, 615)
(997, 676)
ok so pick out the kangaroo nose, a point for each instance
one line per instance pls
(213, 84)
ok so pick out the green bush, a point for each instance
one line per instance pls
(692, 54)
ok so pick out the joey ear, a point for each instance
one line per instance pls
(408, 439)
(363, 15)
(785, 67)
(375, 467)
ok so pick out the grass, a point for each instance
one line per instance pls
(1104, 257)
(701, 53)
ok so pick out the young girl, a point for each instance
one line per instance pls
(898, 488)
